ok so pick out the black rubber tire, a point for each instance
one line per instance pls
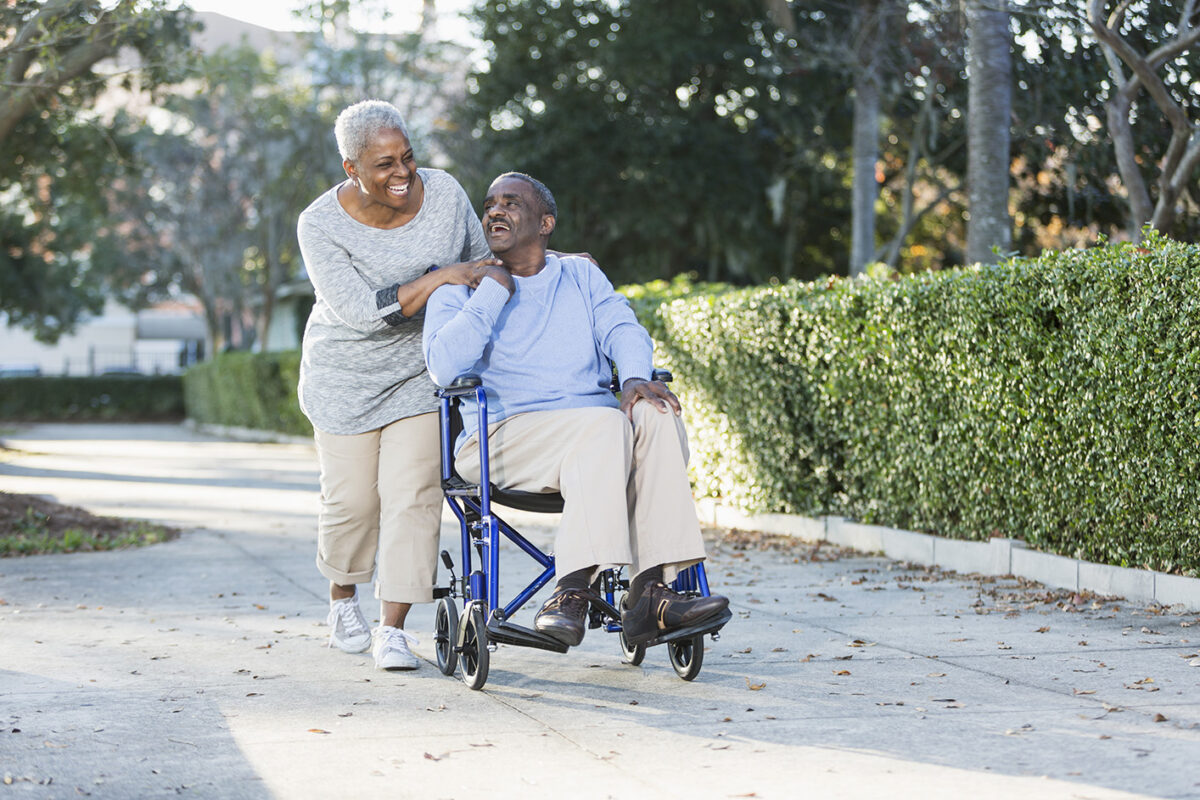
(687, 656)
(633, 653)
(475, 655)
(445, 631)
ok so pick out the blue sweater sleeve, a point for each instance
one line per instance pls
(458, 327)
(621, 337)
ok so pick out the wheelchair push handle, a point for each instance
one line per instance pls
(461, 386)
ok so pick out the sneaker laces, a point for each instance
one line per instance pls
(398, 637)
(349, 615)
(569, 600)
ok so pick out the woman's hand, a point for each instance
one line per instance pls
(654, 392)
(469, 273)
(588, 256)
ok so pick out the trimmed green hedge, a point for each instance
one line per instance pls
(249, 390)
(80, 399)
(1051, 399)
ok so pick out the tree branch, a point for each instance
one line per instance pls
(77, 62)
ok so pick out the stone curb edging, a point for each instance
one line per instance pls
(994, 557)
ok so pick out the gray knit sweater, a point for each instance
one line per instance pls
(362, 366)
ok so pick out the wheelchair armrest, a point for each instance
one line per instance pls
(460, 386)
(657, 374)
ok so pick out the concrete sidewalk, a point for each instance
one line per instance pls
(199, 667)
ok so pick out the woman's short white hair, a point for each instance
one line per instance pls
(358, 124)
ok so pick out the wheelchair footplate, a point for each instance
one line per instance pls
(702, 628)
(502, 631)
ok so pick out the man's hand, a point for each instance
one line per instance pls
(469, 273)
(503, 277)
(655, 392)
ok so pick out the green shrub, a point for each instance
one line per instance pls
(1051, 399)
(248, 390)
(78, 399)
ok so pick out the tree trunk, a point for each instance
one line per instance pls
(428, 27)
(781, 15)
(865, 191)
(989, 111)
(1183, 152)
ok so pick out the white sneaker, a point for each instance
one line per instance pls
(349, 633)
(391, 648)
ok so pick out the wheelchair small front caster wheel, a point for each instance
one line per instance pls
(445, 630)
(475, 654)
(634, 653)
(687, 656)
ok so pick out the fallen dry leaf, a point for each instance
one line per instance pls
(841, 672)
(1159, 718)
(317, 730)
(1084, 691)
(1044, 629)
(936, 675)
(754, 687)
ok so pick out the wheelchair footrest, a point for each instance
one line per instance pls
(701, 628)
(505, 632)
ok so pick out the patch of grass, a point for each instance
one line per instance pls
(32, 525)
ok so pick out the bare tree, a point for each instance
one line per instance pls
(1182, 155)
(989, 112)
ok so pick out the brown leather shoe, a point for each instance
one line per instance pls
(564, 616)
(661, 609)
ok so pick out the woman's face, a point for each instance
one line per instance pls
(387, 170)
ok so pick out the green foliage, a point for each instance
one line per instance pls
(58, 154)
(664, 131)
(249, 390)
(117, 397)
(1051, 399)
(34, 526)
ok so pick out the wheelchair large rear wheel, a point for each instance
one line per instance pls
(634, 653)
(445, 631)
(687, 656)
(474, 648)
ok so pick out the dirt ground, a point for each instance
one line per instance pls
(25, 515)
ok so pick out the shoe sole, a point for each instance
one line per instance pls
(344, 649)
(704, 625)
(557, 636)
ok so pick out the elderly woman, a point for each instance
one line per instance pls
(370, 245)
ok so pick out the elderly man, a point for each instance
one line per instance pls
(542, 331)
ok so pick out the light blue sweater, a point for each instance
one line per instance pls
(549, 347)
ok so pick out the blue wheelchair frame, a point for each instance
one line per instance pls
(484, 622)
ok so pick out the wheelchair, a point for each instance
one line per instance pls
(468, 638)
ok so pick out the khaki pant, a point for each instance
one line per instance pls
(625, 487)
(381, 501)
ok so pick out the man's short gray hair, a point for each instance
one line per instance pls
(543, 194)
(358, 124)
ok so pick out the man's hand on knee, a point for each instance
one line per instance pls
(655, 392)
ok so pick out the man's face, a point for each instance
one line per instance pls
(512, 216)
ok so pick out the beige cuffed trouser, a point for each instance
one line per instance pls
(626, 496)
(381, 504)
